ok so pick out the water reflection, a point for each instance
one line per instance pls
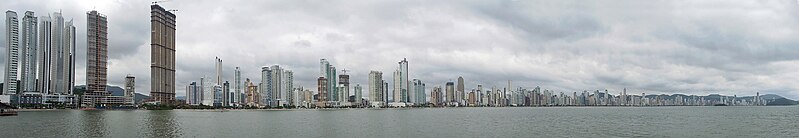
(162, 124)
(92, 124)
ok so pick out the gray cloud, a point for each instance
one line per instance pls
(696, 47)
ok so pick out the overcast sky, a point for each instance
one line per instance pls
(690, 47)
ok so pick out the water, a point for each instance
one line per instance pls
(425, 122)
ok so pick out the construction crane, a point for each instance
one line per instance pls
(344, 71)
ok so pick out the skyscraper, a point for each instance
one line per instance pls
(281, 85)
(12, 54)
(226, 94)
(332, 83)
(237, 86)
(401, 82)
(322, 91)
(460, 90)
(436, 97)
(29, 53)
(398, 89)
(130, 88)
(276, 86)
(385, 91)
(62, 56)
(358, 95)
(450, 88)
(253, 97)
(208, 91)
(218, 67)
(288, 85)
(194, 93)
(328, 72)
(266, 85)
(344, 84)
(96, 54)
(45, 47)
(376, 88)
(419, 96)
(162, 69)
(624, 97)
(481, 97)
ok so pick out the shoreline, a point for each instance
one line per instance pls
(322, 109)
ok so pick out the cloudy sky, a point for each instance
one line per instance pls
(691, 47)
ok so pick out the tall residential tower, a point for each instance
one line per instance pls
(12, 54)
(29, 53)
(162, 56)
(96, 53)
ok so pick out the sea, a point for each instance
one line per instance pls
(672, 121)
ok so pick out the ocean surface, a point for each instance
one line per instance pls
(419, 122)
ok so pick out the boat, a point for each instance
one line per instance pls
(4, 112)
(7, 110)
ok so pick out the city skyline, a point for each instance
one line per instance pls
(485, 46)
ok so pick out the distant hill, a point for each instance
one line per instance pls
(139, 97)
(771, 96)
(115, 90)
(782, 101)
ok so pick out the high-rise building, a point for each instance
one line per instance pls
(419, 94)
(288, 85)
(624, 97)
(96, 54)
(209, 92)
(218, 67)
(358, 95)
(398, 90)
(12, 54)
(344, 84)
(96, 64)
(450, 88)
(266, 85)
(45, 54)
(237, 86)
(436, 96)
(62, 56)
(276, 86)
(307, 98)
(757, 100)
(322, 91)
(226, 94)
(130, 88)
(376, 88)
(480, 96)
(401, 82)
(162, 69)
(218, 95)
(253, 97)
(460, 90)
(341, 99)
(292, 98)
(332, 83)
(194, 93)
(29, 53)
(328, 72)
(385, 91)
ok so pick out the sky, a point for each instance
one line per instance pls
(656, 46)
